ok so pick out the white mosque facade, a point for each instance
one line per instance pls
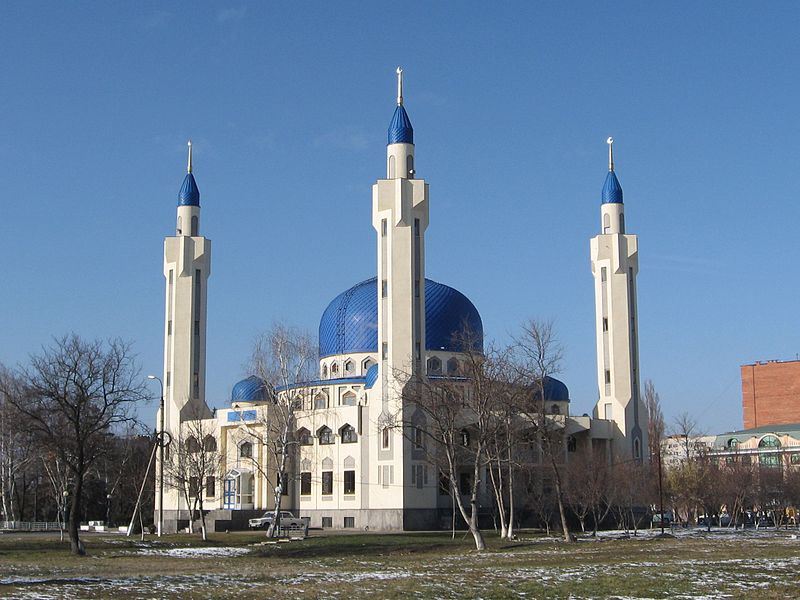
(350, 468)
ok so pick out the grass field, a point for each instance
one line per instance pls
(721, 564)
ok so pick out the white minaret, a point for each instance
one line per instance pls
(615, 265)
(187, 265)
(400, 217)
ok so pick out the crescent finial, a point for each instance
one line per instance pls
(399, 86)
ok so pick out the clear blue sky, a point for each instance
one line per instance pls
(288, 105)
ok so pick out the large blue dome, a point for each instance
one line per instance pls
(350, 323)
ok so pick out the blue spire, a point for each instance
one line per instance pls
(612, 190)
(189, 194)
(400, 130)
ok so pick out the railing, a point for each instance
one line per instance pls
(30, 525)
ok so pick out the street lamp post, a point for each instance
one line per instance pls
(160, 458)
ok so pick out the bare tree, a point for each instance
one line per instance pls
(194, 465)
(77, 392)
(540, 358)
(685, 427)
(284, 359)
(16, 450)
(655, 424)
(460, 418)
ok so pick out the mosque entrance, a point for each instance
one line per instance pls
(237, 490)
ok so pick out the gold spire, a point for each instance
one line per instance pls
(399, 86)
(189, 164)
(610, 142)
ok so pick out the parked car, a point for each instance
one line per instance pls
(264, 521)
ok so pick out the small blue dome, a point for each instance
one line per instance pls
(189, 194)
(350, 322)
(400, 130)
(252, 389)
(612, 190)
(555, 390)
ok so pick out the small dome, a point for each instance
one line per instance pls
(612, 190)
(350, 322)
(400, 130)
(252, 389)
(555, 390)
(189, 194)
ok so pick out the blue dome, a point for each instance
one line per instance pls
(252, 389)
(350, 323)
(189, 194)
(555, 390)
(400, 130)
(612, 190)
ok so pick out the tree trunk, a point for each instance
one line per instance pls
(510, 533)
(560, 499)
(275, 525)
(76, 546)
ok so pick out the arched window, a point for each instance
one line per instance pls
(180, 226)
(434, 366)
(348, 433)
(554, 409)
(733, 444)
(334, 370)
(391, 167)
(769, 441)
(194, 226)
(452, 366)
(325, 435)
(572, 443)
(304, 437)
(210, 444)
(464, 437)
(606, 223)
(349, 367)
(324, 371)
(349, 399)
(367, 364)
(246, 450)
(637, 448)
(410, 166)
(192, 445)
(621, 223)
(320, 401)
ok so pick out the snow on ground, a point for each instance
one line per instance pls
(216, 551)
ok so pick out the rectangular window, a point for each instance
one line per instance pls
(211, 485)
(605, 323)
(195, 386)
(386, 476)
(169, 327)
(197, 327)
(418, 439)
(327, 522)
(385, 437)
(349, 522)
(608, 376)
(416, 288)
(417, 351)
(603, 274)
(383, 227)
(385, 351)
(168, 378)
(349, 482)
(607, 412)
(465, 484)
(795, 458)
(305, 483)
(194, 486)
(416, 227)
(384, 288)
(327, 483)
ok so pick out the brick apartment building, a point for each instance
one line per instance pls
(771, 393)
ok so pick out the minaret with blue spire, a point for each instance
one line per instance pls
(187, 266)
(615, 265)
(400, 218)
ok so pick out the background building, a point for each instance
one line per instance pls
(771, 393)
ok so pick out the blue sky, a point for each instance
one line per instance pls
(288, 104)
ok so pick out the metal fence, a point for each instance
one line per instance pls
(30, 525)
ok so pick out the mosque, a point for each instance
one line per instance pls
(349, 468)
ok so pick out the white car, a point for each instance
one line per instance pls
(263, 522)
